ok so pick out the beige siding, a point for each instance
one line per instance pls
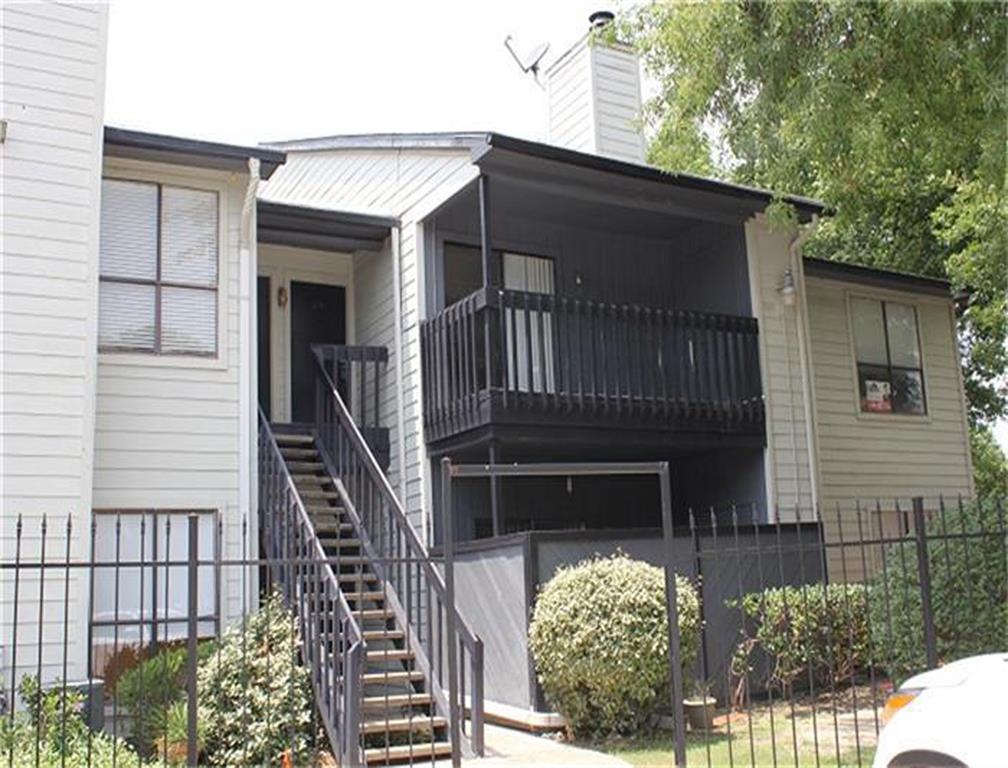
(864, 457)
(53, 74)
(406, 183)
(167, 428)
(788, 477)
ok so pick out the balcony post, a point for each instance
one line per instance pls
(491, 277)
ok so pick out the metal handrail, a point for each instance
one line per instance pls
(342, 725)
(416, 554)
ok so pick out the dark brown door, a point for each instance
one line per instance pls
(318, 316)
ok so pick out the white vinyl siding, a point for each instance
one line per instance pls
(167, 426)
(53, 72)
(407, 183)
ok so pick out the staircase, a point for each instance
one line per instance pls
(396, 672)
(399, 722)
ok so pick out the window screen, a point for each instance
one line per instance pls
(887, 346)
(158, 269)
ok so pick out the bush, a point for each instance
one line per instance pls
(254, 695)
(818, 629)
(149, 690)
(969, 592)
(61, 743)
(599, 635)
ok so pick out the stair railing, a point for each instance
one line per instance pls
(417, 593)
(332, 644)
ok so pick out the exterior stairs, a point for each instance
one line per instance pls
(399, 721)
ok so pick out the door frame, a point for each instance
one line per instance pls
(281, 276)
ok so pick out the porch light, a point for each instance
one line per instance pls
(787, 290)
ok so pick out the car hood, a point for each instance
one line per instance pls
(990, 669)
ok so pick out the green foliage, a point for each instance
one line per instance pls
(62, 741)
(990, 465)
(599, 635)
(969, 591)
(149, 690)
(820, 630)
(254, 695)
(892, 113)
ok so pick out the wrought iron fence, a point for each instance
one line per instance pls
(178, 639)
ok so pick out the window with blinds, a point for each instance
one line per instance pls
(158, 269)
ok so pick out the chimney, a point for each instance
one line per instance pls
(594, 96)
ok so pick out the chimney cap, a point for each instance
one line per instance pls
(600, 18)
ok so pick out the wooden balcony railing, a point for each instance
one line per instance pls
(513, 356)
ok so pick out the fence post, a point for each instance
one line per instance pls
(924, 574)
(672, 604)
(192, 747)
(448, 547)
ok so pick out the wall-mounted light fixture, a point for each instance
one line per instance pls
(282, 296)
(787, 290)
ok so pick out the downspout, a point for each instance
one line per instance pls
(801, 322)
(397, 331)
(247, 351)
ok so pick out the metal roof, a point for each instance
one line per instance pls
(156, 147)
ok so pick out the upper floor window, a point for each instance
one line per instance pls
(890, 373)
(157, 269)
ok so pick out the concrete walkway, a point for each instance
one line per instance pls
(508, 747)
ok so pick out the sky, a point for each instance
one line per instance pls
(255, 71)
(247, 72)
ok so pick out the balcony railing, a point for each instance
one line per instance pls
(503, 356)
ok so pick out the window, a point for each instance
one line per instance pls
(531, 274)
(157, 269)
(890, 375)
(144, 599)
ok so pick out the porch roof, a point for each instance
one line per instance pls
(329, 230)
(157, 147)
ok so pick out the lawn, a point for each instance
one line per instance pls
(768, 736)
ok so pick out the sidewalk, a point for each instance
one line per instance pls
(508, 747)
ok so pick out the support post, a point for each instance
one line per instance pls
(672, 605)
(192, 746)
(495, 492)
(491, 279)
(924, 573)
(448, 547)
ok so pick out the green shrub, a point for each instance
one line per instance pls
(969, 592)
(818, 629)
(599, 635)
(254, 695)
(60, 742)
(149, 690)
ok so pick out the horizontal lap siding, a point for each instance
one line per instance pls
(402, 183)
(53, 70)
(167, 428)
(865, 459)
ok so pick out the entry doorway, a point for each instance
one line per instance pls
(317, 316)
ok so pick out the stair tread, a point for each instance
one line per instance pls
(384, 725)
(304, 453)
(374, 595)
(374, 613)
(396, 700)
(283, 438)
(373, 635)
(341, 541)
(305, 466)
(393, 676)
(389, 654)
(407, 751)
(352, 577)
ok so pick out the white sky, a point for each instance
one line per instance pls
(247, 72)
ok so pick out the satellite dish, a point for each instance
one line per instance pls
(532, 61)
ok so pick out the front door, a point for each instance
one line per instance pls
(318, 316)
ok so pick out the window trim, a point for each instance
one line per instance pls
(856, 363)
(132, 171)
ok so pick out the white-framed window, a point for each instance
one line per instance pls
(158, 269)
(887, 349)
(137, 597)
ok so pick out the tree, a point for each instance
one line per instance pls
(892, 113)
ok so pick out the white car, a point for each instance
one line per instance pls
(956, 715)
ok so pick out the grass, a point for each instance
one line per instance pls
(777, 738)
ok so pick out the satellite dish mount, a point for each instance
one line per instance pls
(531, 62)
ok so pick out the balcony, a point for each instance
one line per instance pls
(505, 359)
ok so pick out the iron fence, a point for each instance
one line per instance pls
(810, 621)
(246, 650)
